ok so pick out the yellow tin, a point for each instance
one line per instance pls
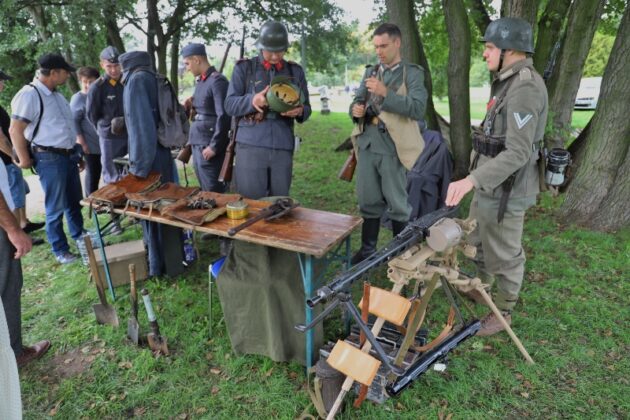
(237, 210)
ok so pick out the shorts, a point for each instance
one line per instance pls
(17, 185)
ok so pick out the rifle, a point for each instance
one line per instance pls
(225, 56)
(279, 208)
(228, 161)
(415, 232)
(347, 170)
(552, 60)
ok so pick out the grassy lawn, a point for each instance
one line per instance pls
(571, 319)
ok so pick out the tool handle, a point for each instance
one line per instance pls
(133, 292)
(147, 304)
(94, 269)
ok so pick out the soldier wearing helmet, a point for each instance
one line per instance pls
(503, 171)
(265, 140)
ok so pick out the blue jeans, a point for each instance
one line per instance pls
(59, 176)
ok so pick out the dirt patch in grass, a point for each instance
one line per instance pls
(74, 362)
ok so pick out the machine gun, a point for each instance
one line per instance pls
(279, 208)
(415, 232)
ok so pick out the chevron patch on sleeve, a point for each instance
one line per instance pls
(521, 120)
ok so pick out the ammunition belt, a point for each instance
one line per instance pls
(488, 145)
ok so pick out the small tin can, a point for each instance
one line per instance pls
(237, 210)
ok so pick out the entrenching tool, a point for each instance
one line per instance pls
(132, 323)
(105, 313)
(157, 343)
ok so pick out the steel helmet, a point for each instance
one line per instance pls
(510, 34)
(273, 37)
(283, 95)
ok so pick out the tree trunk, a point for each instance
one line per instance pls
(599, 194)
(524, 9)
(174, 76)
(402, 13)
(154, 30)
(479, 15)
(111, 25)
(565, 81)
(458, 70)
(549, 32)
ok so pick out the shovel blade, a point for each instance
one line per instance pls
(105, 314)
(157, 343)
(133, 330)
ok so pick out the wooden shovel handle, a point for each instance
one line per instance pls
(94, 269)
(133, 292)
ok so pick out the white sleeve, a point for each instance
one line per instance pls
(26, 105)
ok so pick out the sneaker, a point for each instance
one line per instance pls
(66, 258)
(491, 325)
(33, 226)
(32, 353)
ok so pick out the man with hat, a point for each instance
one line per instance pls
(265, 140)
(503, 170)
(105, 103)
(208, 134)
(146, 154)
(42, 121)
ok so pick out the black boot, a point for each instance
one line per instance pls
(369, 238)
(398, 227)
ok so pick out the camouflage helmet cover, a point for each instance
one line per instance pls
(510, 34)
(273, 37)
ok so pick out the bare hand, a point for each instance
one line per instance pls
(21, 241)
(358, 110)
(25, 163)
(295, 112)
(188, 103)
(375, 86)
(259, 101)
(457, 190)
(208, 153)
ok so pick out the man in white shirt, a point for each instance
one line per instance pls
(42, 121)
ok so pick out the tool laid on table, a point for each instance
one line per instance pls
(105, 313)
(133, 328)
(157, 343)
(279, 208)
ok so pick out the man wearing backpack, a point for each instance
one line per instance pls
(265, 140)
(146, 154)
(42, 121)
(209, 130)
(503, 170)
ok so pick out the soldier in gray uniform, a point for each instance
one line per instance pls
(265, 139)
(104, 103)
(209, 130)
(392, 87)
(503, 169)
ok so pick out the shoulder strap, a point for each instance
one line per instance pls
(41, 111)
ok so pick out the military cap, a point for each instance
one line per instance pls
(193, 49)
(4, 76)
(110, 54)
(53, 61)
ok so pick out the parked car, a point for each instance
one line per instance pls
(588, 93)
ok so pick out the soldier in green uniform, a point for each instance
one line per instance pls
(503, 169)
(387, 141)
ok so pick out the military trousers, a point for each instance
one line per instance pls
(500, 255)
(11, 291)
(381, 186)
(207, 171)
(262, 172)
(111, 149)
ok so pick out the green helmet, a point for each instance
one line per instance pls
(273, 37)
(510, 34)
(283, 95)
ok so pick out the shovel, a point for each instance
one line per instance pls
(105, 313)
(132, 323)
(157, 343)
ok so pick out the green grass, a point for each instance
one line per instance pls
(573, 318)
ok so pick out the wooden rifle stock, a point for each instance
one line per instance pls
(228, 161)
(347, 170)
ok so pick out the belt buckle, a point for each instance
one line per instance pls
(374, 121)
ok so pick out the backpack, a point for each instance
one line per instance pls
(173, 125)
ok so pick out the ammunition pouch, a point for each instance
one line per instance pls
(487, 145)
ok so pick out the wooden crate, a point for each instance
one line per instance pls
(119, 256)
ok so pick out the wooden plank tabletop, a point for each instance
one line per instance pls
(308, 231)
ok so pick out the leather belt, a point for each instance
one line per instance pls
(65, 152)
(202, 117)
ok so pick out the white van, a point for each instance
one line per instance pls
(588, 93)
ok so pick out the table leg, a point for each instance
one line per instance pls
(103, 256)
(307, 278)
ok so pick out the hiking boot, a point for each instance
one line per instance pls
(66, 258)
(398, 227)
(369, 238)
(475, 296)
(33, 226)
(491, 325)
(32, 353)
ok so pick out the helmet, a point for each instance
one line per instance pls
(273, 37)
(283, 95)
(510, 34)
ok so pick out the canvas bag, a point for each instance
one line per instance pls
(173, 125)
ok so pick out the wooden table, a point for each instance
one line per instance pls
(307, 232)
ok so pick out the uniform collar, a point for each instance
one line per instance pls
(203, 76)
(514, 69)
(267, 65)
(43, 87)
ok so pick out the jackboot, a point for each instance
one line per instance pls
(369, 238)
(398, 227)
